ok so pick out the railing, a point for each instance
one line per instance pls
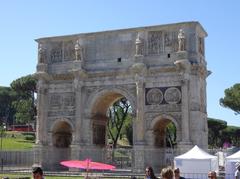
(121, 158)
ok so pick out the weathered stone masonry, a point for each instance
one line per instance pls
(161, 70)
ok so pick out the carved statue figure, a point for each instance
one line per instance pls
(41, 53)
(181, 40)
(139, 46)
(78, 51)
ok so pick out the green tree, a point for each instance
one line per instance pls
(118, 113)
(24, 105)
(23, 109)
(215, 128)
(7, 112)
(231, 134)
(171, 135)
(232, 98)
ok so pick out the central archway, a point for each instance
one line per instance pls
(99, 115)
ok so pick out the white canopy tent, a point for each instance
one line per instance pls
(196, 163)
(230, 162)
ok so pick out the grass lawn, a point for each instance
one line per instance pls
(16, 141)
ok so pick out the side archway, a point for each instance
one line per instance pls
(160, 127)
(62, 133)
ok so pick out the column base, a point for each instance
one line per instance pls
(138, 159)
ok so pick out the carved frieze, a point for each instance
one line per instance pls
(56, 52)
(53, 113)
(68, 51)
(60, 87)
(155, 42)
(69, 100)
(164, 107)
(55, 100)
(161, 41)
(163, 95)
(61, 100)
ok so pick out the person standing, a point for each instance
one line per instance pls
(177, 174)
(212, 175)
(149, 173)
(37, 173)
(237, 172)
(167, 173)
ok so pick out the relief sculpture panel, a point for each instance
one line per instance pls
(172, 95)
(155, 42)
(69, 51)
(69, 100)
(61, 105)
(55, 101)
(154, 96)
(161, 41)
(56, 52)
(163, 95)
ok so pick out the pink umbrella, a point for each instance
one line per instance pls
(87, 164)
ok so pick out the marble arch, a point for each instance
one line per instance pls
(163, 116)
(106, 92)
(158, 69)
(62, 120)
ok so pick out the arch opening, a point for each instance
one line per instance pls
(62, 135)
(111, 119)
(164, 132)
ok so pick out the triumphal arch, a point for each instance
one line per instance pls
(161, 70)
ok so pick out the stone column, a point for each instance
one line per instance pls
(184, 67)
(78, 83)
(79, 75)
(185, 109)
(42, 106)
(139, 132)
(78, 109)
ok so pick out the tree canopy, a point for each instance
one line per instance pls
(232, 98)
(7, 111)
(24, 105)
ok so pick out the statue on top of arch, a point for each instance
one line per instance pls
(78, 51)
(181, 40)
(41, 53)
(139, 45)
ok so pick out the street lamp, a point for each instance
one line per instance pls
(3, 127)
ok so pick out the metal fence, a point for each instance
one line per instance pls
(121, 158)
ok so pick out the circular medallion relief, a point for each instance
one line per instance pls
(172, 95)
(154, 96)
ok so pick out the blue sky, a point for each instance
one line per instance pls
(23, 21)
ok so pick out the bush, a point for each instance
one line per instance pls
(29, 137)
